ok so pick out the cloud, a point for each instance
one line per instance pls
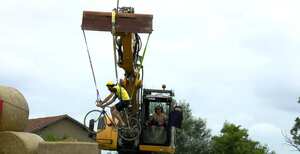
(268, 133)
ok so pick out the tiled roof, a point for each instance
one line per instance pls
(40, 123)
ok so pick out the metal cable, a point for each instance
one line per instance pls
(113, 32)
(144, 53)
(91, 64)
(118, 2)
(115, 58)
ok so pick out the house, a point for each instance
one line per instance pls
(59, 128)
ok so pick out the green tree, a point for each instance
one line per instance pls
(235, 140)
(193, 137)
(294, 141)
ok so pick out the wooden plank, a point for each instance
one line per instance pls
(125, 22)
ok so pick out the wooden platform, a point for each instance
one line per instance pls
(125, 22)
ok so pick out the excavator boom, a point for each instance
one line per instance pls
(126, 27)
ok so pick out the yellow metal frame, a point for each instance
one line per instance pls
(132, 82)
(107, 138)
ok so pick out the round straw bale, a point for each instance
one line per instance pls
(14, 113)
(19, 143)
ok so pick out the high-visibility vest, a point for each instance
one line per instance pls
(121, 93)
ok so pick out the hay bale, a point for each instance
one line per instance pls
(19, 143)
(14, 114)
(68, 148)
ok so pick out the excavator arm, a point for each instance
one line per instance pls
(125, 29)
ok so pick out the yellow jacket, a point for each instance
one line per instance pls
(121, 93)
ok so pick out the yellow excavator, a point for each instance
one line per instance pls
(138, 136)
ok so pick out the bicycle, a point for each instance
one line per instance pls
(131, 131)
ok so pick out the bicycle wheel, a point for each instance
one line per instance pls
(130, 133)
(95, 115)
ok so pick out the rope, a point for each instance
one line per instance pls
(91, 64)
(144, 53)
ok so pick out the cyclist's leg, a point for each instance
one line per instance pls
(113, 116)
(116, 112)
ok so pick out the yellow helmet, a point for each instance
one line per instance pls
(110, 83)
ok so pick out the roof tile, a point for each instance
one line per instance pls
(39, 123)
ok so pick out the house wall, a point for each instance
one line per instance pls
(66, 128)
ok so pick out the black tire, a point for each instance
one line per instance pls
(130, 133)
(95, 120)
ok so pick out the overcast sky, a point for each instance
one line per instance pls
(232, 60)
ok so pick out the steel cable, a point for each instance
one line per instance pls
(91, 65)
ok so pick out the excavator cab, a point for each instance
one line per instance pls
(157, 137)
(153, 137)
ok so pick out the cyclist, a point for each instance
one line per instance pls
(117, 91)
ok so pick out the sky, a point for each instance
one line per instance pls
(234, 60)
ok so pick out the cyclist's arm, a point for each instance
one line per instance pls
(107, 98)
(108, 102)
